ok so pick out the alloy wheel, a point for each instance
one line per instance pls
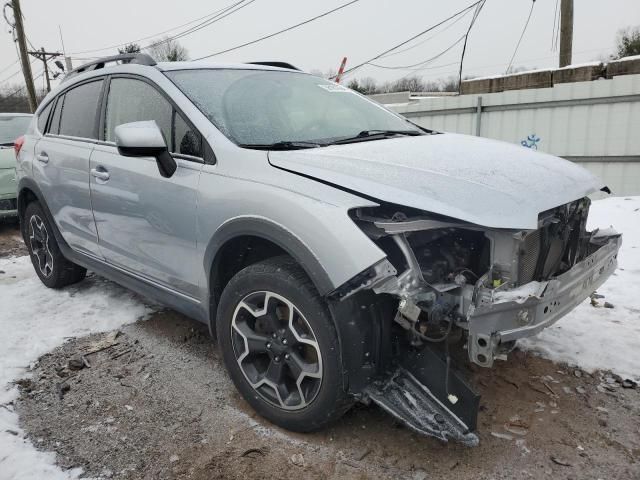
(39, 243)
(276, 350)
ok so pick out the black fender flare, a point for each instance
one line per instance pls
(28, 184)
(268, 230)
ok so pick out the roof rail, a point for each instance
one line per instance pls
(137, 58)
(276, 64)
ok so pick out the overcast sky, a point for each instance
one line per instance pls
(358, 32)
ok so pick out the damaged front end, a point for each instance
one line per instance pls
(449, 280)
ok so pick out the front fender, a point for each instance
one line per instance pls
(269, 230)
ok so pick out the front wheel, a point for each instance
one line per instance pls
(280, 346)
(53, 269)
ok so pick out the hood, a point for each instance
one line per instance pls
(481, 181)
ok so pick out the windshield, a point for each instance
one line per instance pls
(11, 127)
(262, 107)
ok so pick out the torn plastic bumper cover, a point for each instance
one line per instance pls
(415, 393)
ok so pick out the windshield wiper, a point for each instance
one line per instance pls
(283, 145)
(366, 135)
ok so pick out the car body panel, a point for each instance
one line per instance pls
(317, 219)
(481, 181)
(64, 182)
(147, 223)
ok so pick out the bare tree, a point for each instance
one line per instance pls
(167, 49)
(129, 48)
(13, 98)
(366, 86)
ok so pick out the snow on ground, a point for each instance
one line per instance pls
(34, 320)
(603, 338)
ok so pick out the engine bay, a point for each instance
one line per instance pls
(441, 270)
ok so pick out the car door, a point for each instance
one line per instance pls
(147, 223)
(61, 166)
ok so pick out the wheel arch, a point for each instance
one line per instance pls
(28, 191)
(362, 321)
(245, 240)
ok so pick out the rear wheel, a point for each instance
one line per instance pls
(280, 345)
(53, 269)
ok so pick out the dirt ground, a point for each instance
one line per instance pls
(155, 402)
(11, 243)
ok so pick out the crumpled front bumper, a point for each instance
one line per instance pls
(499, 318)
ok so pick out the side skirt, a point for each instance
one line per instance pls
(176, 301)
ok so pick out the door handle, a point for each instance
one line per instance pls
(100, 173)
(43, 157)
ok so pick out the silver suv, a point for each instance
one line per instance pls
(339, 252)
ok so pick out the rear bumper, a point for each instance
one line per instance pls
(8, 206)
(499, 318)
(8, 203)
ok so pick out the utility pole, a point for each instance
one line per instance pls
(24, 58)
(45, 57)
(566, 32)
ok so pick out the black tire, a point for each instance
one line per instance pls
(53, 269)
(282, 276)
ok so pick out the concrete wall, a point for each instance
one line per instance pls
(594, 123)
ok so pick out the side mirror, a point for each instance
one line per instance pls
(144, 139)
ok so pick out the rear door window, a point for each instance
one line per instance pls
(79, 112)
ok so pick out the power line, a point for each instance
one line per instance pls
(466, 38)
(22, 87)
(421, 69)
(482, 67)
(408, 67)
(533, 3)
(211, 14)
(433, 67)
(271, 35)
(9, 66)
(240, 5)
(428, 38)
(16, 73)
(401, 44)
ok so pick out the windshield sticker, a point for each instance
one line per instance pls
(333, 87)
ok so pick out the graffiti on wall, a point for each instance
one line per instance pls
(531, 141)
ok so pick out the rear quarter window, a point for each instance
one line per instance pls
(43, 117)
